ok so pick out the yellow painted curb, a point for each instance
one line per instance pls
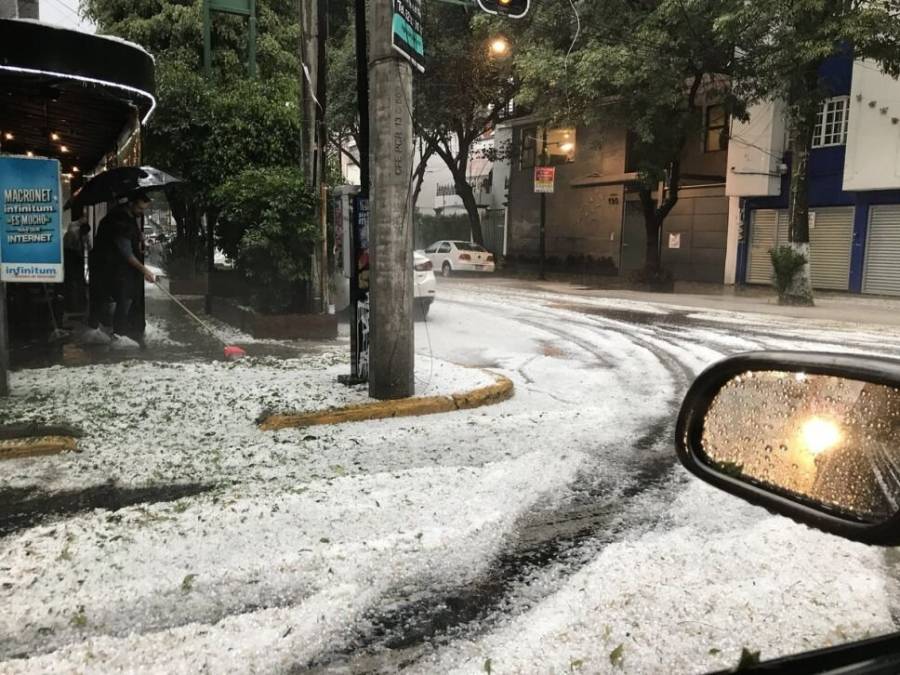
(16, 448)
(501, 390)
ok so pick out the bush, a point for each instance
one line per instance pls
(267, 225)
(786, 264)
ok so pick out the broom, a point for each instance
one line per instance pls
(232, 352)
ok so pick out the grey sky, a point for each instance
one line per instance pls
(63, 13)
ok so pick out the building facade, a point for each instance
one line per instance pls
(854, 185)
(595, 211)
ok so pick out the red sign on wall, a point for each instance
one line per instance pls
(544, 177)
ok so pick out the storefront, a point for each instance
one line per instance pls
(78, 98)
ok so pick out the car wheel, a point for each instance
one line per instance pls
(446, 269)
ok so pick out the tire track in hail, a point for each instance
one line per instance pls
(401, 630)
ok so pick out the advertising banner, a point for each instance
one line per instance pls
(31, 247)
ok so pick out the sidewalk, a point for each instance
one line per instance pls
(833, 307)
(171, 336)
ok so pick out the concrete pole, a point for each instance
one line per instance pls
(391, 340)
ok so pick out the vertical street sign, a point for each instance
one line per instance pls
(30, 221)
(406, 32)
(544, 178)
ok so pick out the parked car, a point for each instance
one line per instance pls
(459, 256)
(424, 284)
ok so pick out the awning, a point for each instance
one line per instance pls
(68, 94)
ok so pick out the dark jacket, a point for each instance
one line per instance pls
(117, 235)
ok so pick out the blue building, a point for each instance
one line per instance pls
(854, 190)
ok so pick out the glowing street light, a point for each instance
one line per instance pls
(499, 46)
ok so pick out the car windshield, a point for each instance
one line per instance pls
(244, 428)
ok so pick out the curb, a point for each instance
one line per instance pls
(501, 390)
(17, 448)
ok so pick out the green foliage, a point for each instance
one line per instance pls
(644, 67)
(267, 225)
(786, 265)
(206, 130)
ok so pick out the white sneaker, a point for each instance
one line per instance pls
(95, 336)
(123, 342)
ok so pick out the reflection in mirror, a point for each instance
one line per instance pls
(832, 441)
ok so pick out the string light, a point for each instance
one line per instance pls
(29, 153)
(54, 136)
(8, 136)
(64, 148)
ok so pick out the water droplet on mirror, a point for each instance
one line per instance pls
(783, 447)
(768, 449)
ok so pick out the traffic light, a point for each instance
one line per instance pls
(514, 9)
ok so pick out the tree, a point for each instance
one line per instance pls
(783, 45)
(205, 130)
(462, 95)
(642, 66)
(268, 226)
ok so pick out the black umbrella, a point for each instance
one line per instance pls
(120, 182)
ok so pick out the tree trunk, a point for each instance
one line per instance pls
(652, 225)
(804, 109)
(467, 194)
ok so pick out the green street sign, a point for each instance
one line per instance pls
(241, 7)
(406, 29)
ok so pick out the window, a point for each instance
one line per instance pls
(560, 147)
(832, 122)
(445, 248)
(529, 142)
(431, 249)
(715, 129)
(465, 246)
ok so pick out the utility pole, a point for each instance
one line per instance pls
(321, 146)
(391, 340)
(543, 226)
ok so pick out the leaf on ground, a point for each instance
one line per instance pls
(575, 664)
(617, 655)
(715, 652)
(187, 584)
(79, 620)
(748, 659)
(487, 666)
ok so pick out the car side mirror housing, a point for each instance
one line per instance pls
(814, 437)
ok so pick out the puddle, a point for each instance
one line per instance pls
(21, 508)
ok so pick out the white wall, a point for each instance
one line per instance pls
(873, 138)
(755, 152)
(503, 142)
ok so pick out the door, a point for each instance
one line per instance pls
(830, 241)
(764, 234)
(634, 238)
(881, 273)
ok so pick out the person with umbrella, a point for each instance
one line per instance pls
(117, 271)
(115, 264)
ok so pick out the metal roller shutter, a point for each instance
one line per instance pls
(882, 269)
(830, 242)
(763, 233)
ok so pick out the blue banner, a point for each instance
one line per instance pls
(31, 248)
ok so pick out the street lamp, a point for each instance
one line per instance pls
(499, 47)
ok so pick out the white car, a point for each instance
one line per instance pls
(459, 256)
(424, 284)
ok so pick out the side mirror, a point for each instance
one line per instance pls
(815, 437)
